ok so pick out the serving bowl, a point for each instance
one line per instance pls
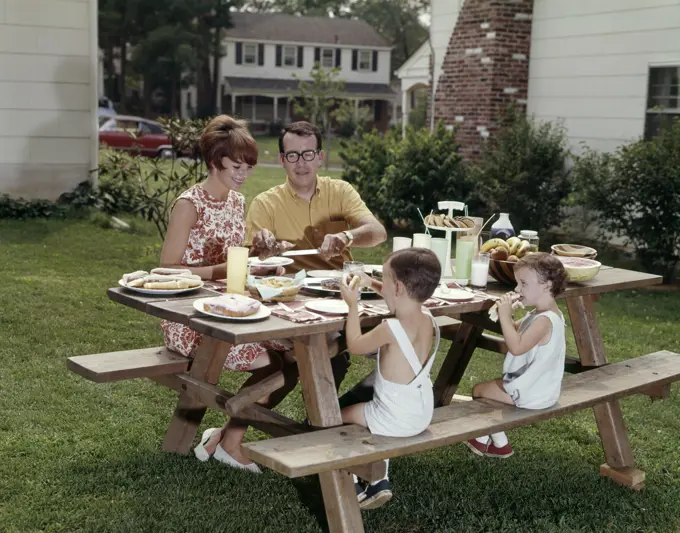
(574, 250)
(503, 271)
(580, 268)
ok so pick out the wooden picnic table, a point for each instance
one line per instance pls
(198, 390)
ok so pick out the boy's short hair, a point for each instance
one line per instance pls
(418, 269)
(303, 129)
(225, 136)
(548, 268)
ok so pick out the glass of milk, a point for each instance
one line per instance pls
(479, 270)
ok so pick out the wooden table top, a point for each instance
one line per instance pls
(180, 309)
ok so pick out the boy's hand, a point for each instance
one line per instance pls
(350, 295)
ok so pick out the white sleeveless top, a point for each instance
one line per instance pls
(403, 409)
(534, 379)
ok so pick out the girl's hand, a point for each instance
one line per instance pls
(505, 305)
(351, 296)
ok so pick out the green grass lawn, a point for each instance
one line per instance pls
(81, 457)
(269, 150)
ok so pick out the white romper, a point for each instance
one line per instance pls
(397, 409)
(534, 379)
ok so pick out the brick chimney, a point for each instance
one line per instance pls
(486, 67)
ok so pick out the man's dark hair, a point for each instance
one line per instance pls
(418, 269)
(303, 129)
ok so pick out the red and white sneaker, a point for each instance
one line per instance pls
(477, 447)
(501, 453)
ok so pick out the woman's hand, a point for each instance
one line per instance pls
(351, 296)
(266, 270)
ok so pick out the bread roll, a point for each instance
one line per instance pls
(163, 285)
(354, 282)
(138, 274)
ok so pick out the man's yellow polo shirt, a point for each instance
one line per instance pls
(336, 206)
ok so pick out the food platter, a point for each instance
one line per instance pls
(158, 292)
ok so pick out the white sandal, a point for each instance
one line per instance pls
(199, 451)
(223, 457)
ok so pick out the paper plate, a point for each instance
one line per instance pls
(158, 292)
(262, 313)
(271, 261)
(331, 307)
(325, 274)
(454, 295)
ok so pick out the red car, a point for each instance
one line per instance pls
(151, 139)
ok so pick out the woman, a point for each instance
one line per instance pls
(207, 219)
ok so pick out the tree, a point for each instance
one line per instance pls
(318, 98)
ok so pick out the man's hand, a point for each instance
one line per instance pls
(333, 244)
(264, 244)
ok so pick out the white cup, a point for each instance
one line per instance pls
(422, 240)
(400, 243)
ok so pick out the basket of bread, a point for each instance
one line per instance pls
(275, 288)
(161, 281)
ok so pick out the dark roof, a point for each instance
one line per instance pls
(280, 27)
(287, 86)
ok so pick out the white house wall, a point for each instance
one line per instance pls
(443, 21)
(590, 60)
(47, 97)
(269, 70)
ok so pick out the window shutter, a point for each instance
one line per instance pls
(300, 57)
(260, 54)
(239, 53)
(317, 55)
(338, 55)
(375, 61)
(279, 53)
(354, 59)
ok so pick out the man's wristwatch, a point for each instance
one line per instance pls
(350, 237)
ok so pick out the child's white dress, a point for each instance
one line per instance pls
(403, 410)
(534, 379)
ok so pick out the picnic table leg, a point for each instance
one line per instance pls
(620, 463)
(206, 366)
(323, 409)
(455, 363)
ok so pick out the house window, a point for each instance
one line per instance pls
(250, 54)
(289, 56)
(364, 60)
(327, 60)
(663, 98)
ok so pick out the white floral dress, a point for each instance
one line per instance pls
(220, 224)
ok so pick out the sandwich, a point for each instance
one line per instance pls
(516, 304)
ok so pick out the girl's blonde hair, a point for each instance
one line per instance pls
(548, 268)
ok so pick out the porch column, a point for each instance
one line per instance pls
(276, 108)
(233, 104)
(287, 110)
(254, 108)
(394, 112)
(404, 112)
(356, 108)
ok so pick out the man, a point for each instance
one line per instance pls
(309, 210)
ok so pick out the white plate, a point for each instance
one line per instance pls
(337, 274)
(262, 312)
(332, 307)
(454, 295)
(271, 261)
(158, 292)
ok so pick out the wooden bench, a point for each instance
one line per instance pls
(116, 366)
(346, 446)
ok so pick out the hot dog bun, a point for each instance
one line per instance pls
(127, 278)
(354, 282)
(172, 271)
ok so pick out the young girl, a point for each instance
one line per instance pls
(207, 219)
(403, 402)
(534, 365)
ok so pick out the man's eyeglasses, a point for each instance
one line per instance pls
(307, 155)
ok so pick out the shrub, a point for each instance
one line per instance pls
(274, 128)
(522, 171)
(395, 176)
(636, 194)
(425, 168)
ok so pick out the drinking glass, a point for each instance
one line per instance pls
(422, 240)
(400, 243)
(237, 269)
(480, 270)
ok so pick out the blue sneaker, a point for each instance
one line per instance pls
(376, 495)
